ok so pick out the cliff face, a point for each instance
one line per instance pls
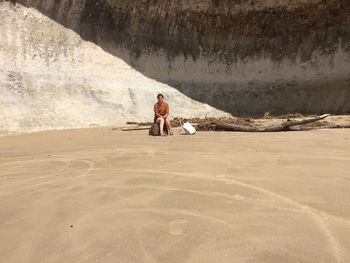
(245, 57)
(51, 78)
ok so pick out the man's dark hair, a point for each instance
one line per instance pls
(160, 95)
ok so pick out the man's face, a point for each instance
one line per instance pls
(160, 99)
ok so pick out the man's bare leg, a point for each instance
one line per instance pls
(160, 121)
(168, 125)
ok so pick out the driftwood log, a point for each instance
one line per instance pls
(222, 125)
(136, 129)
(284, 126)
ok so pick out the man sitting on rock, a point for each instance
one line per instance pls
(161, 115)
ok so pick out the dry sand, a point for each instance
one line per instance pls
(99, 195)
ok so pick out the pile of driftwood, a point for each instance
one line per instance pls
(246, 125)
(259, 125)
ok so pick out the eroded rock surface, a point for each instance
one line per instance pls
(51, 78)
(244, 57)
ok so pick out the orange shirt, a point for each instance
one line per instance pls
(161, 110)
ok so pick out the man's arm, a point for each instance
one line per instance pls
(156, 111)
(166, 111)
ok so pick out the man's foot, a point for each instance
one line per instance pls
(171, 133)
(162, 134)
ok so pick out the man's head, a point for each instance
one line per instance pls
(160, 98)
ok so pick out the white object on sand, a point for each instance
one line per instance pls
(188, 128)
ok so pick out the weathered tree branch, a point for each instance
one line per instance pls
(136, 128)
(285, 126)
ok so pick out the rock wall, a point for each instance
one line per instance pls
(51, 78)
(242, 56)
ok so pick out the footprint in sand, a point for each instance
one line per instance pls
(176, 227)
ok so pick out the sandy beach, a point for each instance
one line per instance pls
(103, 195)
(76, 188)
